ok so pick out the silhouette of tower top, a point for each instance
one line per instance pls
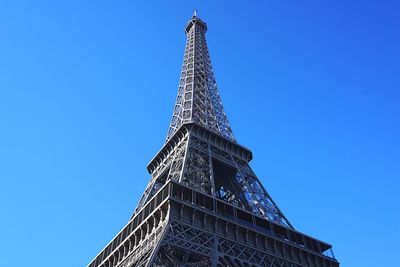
(204, 205)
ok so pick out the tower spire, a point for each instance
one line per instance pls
(198, 99)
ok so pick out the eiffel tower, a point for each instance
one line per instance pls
(204, 206)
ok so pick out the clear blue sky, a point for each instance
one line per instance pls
(86, 95)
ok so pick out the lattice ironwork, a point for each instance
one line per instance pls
(257, 197)
(170, 256)
(204, 205)
(169, 168)
(190, 238)
(193, 160)
(198, 98)
(197, 171)
(240, 255)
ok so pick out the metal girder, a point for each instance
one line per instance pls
(195, 162)
(198, 98)
(204, 205)
(183, 226)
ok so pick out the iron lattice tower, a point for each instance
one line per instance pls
(204, 206)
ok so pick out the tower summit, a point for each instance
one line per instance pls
(204, 206)
(198, 100)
